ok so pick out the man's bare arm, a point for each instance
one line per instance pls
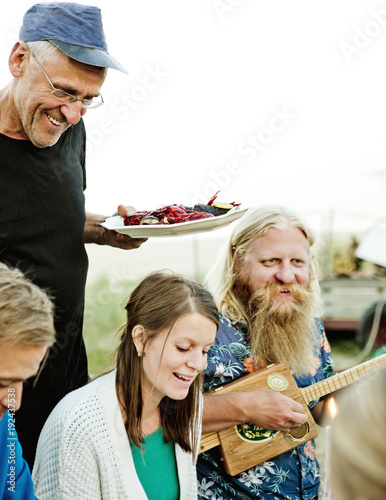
(265, 408)
(318, 412)
(95, 233)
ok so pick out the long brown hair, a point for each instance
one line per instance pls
(156, 304)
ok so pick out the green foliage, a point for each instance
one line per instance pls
(104, 315)
(344, 352)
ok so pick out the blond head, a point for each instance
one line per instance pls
(358, 442)
(254, 224)
(26, 312)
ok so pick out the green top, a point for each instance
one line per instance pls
(156, 467)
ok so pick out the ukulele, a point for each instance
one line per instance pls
(246, 445)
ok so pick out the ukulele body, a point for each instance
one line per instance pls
(244, 446)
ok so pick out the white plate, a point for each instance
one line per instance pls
(196, 226)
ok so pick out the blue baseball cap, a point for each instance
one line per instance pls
(74, 28)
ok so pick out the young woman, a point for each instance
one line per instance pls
(134, 433)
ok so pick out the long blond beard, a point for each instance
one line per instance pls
(282, 329)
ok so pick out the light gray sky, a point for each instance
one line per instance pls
(269, 101)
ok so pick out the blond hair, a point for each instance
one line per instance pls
(254, 224)
(26, 311)
(358, 442)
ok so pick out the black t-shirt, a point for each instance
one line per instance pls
(42, 217)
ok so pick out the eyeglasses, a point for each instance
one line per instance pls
(69, 98)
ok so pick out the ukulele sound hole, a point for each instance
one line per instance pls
(299, 433)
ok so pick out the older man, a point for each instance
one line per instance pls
(26, 332)
(58, 66)
(265, 285)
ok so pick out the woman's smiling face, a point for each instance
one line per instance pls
(172, 361)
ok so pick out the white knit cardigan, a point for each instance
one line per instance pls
(84, 452)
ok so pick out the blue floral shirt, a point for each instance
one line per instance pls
(293, 475)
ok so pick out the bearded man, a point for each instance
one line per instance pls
(266, 287)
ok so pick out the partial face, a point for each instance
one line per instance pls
(184, 356)
(17, 364)
(278, 257)
(43, 116)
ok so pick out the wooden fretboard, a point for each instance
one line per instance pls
(342, 379)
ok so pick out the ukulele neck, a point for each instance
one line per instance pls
(342, 379)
